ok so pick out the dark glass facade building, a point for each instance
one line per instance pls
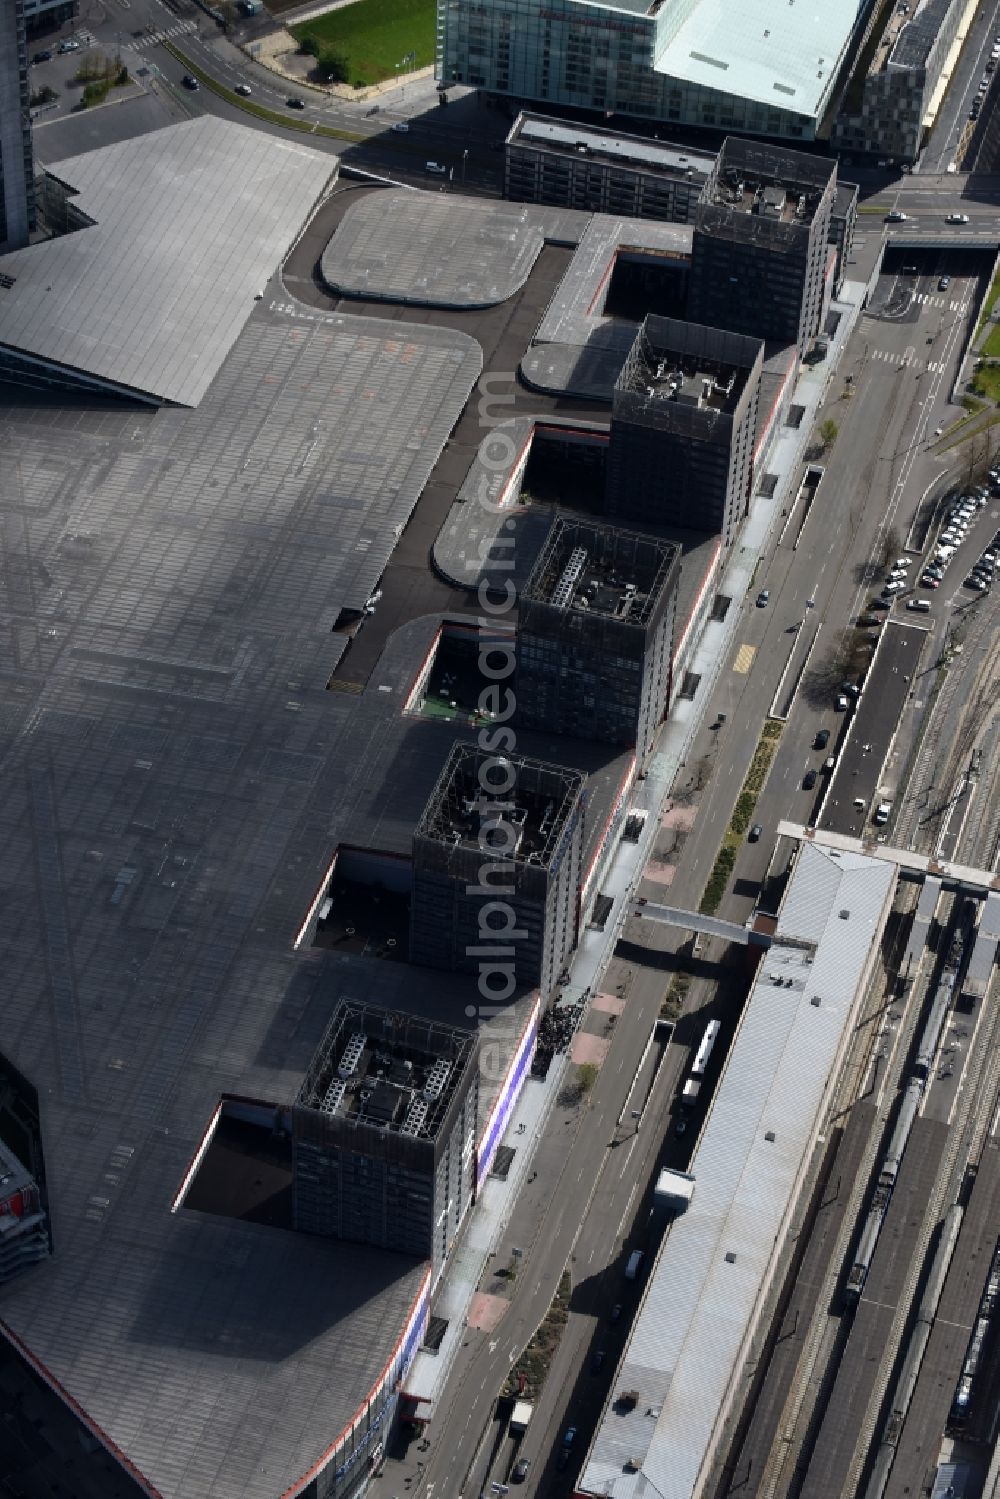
(595, 634)
(683, 425)
(17, 180)
(497, 866)
(759, 256)
(384, 1132)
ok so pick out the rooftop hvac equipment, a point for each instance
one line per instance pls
(416, 1117)
(333, 1098)
(352, 1055)
(436, 1079)
(563, 591)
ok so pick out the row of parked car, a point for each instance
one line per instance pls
(958, 521)
(986, 80)
(897, 581)
(981, 575)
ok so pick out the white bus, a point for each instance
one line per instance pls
(705, 1049)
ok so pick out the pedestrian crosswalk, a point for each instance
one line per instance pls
(928, 299)
(155, 35)
(907, 361)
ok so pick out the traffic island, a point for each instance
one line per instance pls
(528, 1373)
(739, 823)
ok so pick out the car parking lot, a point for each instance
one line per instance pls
(956, 527)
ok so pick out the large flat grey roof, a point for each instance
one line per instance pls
(177, 778)
(189, 223)
(787, 56)
(705, 1289)
(186, 570)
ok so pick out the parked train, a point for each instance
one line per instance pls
(988, 1305)
(944, 993)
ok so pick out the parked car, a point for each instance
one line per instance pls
(597, 1361)
(401, 127)
(882, 813)
(822, 739)
(866, 621)
(919, 606)
(928, 582)
(842, 703)
(435, 168)
(809, 780)
(763, 597)
(616, 1312)
(570, 1436)
(879, 604)
(903, 562)
(72, 45)
(44, 56)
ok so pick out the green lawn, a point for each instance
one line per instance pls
(374, 35)
(991, 348)
(986, 382)
(991, 297)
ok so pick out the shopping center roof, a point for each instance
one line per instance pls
(186, 226)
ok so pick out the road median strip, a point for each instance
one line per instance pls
(527, 1373)
(739, 823)
(260, 111)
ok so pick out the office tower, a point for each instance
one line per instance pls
(683, 424)
(17, 191)
(759, 257)
(384, 1132)
(497, 859)
(595, 634)
(573, 165)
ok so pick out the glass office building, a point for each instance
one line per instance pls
(761, 68)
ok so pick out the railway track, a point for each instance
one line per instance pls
(800, 1412)
(962, 1133)
(946, 735)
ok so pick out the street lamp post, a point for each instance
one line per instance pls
(465, 157)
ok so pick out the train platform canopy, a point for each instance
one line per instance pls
(163, 243)
(685, 1352)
